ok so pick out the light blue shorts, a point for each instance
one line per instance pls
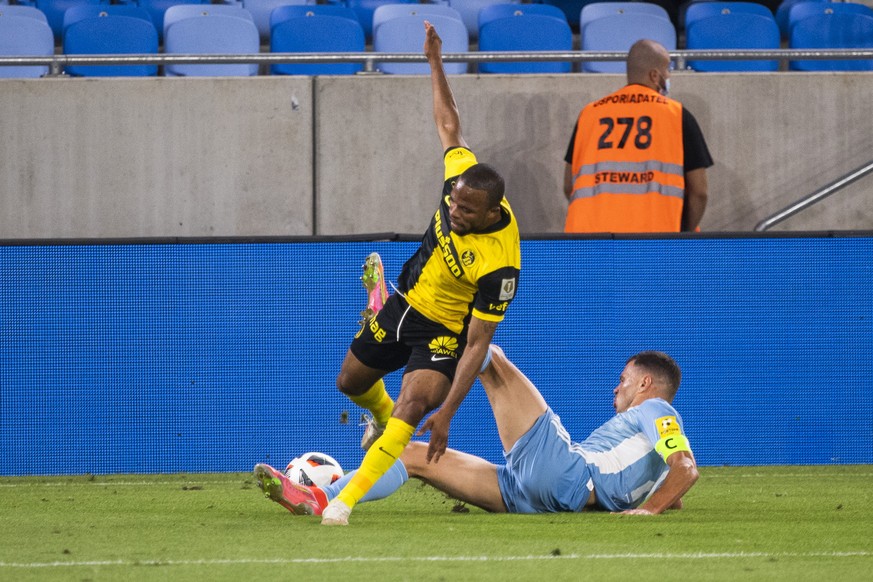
(544, 471)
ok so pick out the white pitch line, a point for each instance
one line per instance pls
(350, 559)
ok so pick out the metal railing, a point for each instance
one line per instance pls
(56, 63)
(815, 197)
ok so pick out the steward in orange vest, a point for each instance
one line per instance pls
(627, 165)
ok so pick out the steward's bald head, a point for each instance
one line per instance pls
(644, 57)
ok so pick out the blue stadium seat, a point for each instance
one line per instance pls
(525, 31)
(113, 30)
(212, 34)
(77, 13)
(283, 13)
(801, 10)
(183, 11)
(387, 12)
(699, 10)
(262, 9)
(405, 34)
(832, 31)
(753, 6)
(24, 10)
(597, 10)
(504, 10)
(703, 8)
(365, 9)
(733, 30)
(157, 8)
(571, 8)
(313, 32)
(54, 11)
(470, 9)
(784, 9)
(24, 36)
(618, 32)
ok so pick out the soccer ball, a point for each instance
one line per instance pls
(316, 469)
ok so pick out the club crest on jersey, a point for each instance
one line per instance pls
(444, 345)
(467, 258)
(667, 426)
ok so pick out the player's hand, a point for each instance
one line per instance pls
(432, 42)
(637, 511)
(438, 424)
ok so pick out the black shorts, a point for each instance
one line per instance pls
(400, 336)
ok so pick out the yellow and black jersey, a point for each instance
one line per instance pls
(451, 277)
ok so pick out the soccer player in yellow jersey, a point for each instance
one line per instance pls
(451, 295)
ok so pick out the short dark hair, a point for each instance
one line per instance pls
(661, 365)
(484, 177)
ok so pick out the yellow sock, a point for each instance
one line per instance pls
(384, 452)
(377, 401)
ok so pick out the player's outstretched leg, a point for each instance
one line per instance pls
(374, 282)
(298, 499)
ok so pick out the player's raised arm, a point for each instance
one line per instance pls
(480, 334)
(445, 110)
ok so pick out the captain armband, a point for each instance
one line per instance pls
(672, 444)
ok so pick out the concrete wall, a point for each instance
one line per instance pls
(155, 157)
(352, 155)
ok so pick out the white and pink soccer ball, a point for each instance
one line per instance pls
(316, 469)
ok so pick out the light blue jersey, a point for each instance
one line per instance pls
(621, 453)
(546, 472)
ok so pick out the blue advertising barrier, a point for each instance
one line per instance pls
(160, 357)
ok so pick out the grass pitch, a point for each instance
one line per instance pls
(753, 523)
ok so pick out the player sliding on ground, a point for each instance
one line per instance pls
(638, 462)
(451, 295)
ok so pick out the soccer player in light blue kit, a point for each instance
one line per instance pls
(638, 462)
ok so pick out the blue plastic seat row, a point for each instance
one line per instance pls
(807, 25)
(792, 11)
(397, 28)
(829, 30)
(125, 29)
(54, 10)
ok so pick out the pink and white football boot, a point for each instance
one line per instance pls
(374, 282)
(296, 498)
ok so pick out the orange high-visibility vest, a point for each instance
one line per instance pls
(628, 160)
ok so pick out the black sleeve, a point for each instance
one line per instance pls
(496, 290)
(696, 153)
(568, 157)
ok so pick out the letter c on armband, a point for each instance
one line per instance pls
(672, 444)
